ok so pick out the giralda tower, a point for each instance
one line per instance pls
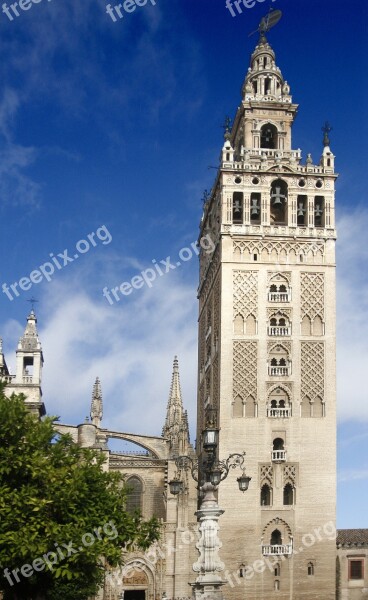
(267, 345)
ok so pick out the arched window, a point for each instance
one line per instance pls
(306, 326)
(276, 539)
(251, 325)
(134, 494)
(302, 203)
(255, 207)
(237, 207)
(310, 568)
(319, 210)
(238, 410)
(278, 444)
(278, 453)
(279, 195)
(277, 585)
(277, 570)
(239, 325)
(250, 407)
(269, 136)
(266, 495)
(288, 495)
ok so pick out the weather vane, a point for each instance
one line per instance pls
(33, 301)
(326, 130)
(227, 127)
(267, 22)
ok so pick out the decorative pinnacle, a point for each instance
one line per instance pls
(205, 198)
(96, 404)
(326, 130)
(227, 128)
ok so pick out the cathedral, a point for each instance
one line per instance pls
(266, 378)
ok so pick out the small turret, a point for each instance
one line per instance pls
(28, 371)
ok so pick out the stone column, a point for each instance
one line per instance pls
(209, 582)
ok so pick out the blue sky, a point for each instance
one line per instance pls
(115, 124)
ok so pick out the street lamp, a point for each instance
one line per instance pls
(209, 472)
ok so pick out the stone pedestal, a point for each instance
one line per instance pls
(209, 582)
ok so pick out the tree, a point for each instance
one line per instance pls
(62, 518)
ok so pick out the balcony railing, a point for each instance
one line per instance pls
(7, 378)
(279, 413)
(278, 371)
(277, 549)
(27, 378)
(278, 455)
(279, 296)
(279, 331)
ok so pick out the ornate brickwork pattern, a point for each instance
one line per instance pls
(266, 475)
(245, 291)
(290, 473)
(280, 252)
(271, 346)
(278, 277)
(279, 312)
(287, 387)
(215, 384)
(216, 309)
(208, 277)
(202, 342)
(313, 370)
(245, 369)
(312, 293)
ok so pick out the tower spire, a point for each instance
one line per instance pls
(96, 404)
(176, 423)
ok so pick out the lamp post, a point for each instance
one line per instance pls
(209, 473)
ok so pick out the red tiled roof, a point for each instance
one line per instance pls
(352, 537)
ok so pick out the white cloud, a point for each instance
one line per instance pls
(129, 345)
(352, 310)
(352, 475)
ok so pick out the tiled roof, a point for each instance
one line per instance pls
(352, 537)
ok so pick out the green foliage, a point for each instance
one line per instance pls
(55, 497)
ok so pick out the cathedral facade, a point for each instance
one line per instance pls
(266, 375)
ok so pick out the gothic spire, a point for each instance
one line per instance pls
(96, 404)
(175, 404)
(176, 428)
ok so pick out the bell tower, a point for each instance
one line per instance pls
(267, 345)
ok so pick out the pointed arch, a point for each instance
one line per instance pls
(250, 407)
(239, 325)
(318, 408)
(266, 494)
(305, 407)
(306, 326)
(317, 326)
(288, 495)
(238, 407)
(251, 325)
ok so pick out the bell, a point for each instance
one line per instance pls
(318, 211)
(277, 197)
(254, 209)
(301, 210)
(237, 207)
